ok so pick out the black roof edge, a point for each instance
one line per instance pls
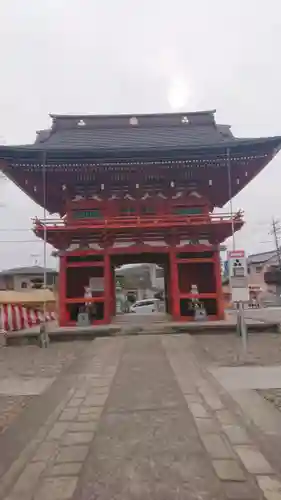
(27, 153)
(129, 115)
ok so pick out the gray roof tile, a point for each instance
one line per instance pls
(160, 131)
(108, 139)
(261, 258)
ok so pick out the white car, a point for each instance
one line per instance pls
(145, 306)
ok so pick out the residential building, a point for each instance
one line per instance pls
(23, 279)
(260, 266)
(143, 279)
(264, 278)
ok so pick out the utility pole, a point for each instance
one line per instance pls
(275, 232)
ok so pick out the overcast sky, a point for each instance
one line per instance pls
(117, 56)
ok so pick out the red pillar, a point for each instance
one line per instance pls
(107, 288)
(113, 291)
(219, 291)
(174, 286)
(62, 291)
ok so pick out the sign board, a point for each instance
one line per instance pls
(238, 276)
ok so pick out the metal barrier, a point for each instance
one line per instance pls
(242, 330)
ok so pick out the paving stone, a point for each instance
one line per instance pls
(228, 470)
(69, 414)
(216, 446)
(76, 453)
(66, 469)
(46, 451)
(100, 382)
(213, 401)
(81, 393)
(58, 430)
(93, 410)
(207, 426)
(82, 426)
(72, 438)
(59, 488)
(97, 400)
(75, 402)
(225, 417)
(87, 417)
(253, 460)
(197, 410)
(236, 434)
(210, 395)
(29, 478)
(193, 398)
(100, 391)
(270, 486)
(187, 388)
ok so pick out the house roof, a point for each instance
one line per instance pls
(27, 271)
(261, 258)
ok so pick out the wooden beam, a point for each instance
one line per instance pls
(85, 264)
(198, 260)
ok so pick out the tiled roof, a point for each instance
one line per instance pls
(136, 139)
(124, 135)
(27, 271)
(127, 132)
(261, 258)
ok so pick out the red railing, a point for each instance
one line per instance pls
(133, 221)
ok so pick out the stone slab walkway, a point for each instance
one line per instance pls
(139, 418)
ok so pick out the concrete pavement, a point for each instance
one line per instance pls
(264, 314)
(136, 418)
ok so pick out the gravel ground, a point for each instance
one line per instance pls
(27, 362)
(225, 350)
(10, 408)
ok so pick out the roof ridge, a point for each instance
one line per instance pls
(262, 253)
(130, 115)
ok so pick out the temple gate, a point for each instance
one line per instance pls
(137, 189)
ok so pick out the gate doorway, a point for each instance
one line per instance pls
(140, 279)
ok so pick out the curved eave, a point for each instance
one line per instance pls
(41, 154)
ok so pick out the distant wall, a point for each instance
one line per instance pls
(157, 277)
(256, 277)
(22, 283)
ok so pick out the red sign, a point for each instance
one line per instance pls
(236, 254)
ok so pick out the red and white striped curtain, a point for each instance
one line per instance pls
(16, 317)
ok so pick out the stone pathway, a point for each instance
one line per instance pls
(141, 419)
